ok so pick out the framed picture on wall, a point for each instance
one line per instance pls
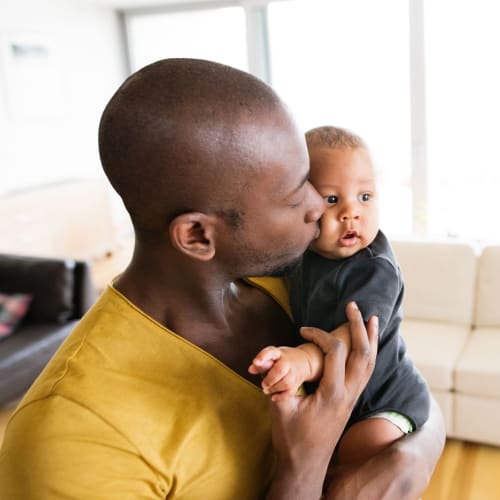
(32, 78)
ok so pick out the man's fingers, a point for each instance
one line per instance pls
(322, 339)
(372, 329)
(364, 344)
(347, 369)
(353, 313)
(373, 336)
(336, 353)
(284, 409)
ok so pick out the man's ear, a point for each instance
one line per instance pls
(193, 234)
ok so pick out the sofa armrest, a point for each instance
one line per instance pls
(61, 289)
(84, 290)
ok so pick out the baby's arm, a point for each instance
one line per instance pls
(286, 368)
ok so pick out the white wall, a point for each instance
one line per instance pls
(48, 125)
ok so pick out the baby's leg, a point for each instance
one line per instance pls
(365, 439)
(369, 437)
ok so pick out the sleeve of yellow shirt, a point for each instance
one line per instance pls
(83, 447)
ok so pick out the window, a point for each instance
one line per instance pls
(334, 66)
(417, 79)
(217, 34)
(463, 109)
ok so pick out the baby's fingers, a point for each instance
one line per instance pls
(264, 360)
(283, 395)
(273, 381)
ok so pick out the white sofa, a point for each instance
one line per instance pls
(452, 330)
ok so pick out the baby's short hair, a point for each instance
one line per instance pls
(334, 138)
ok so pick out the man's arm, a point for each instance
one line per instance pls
(305, 430)
(400, 472)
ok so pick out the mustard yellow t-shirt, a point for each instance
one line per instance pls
(126, 409)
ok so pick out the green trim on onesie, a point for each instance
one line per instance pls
(397, 419)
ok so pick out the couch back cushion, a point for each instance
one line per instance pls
(439, 280)
(50, 282)
(488, 288)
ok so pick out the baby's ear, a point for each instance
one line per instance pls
(193, 234)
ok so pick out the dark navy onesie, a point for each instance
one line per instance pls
(320, 290)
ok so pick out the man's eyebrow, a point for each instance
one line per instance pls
(302, 182)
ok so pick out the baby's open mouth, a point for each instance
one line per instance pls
(349, 235)
(349, 238)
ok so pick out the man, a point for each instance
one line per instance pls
(150, 397)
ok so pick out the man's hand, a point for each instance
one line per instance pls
(305, 430)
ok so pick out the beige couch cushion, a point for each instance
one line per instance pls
(476, 419)
(435, 348)
(439, 280)
(488, 288)
(445, 401)
(478, 369)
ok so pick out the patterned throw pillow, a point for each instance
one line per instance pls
(13, 307)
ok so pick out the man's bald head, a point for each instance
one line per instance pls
(177, 136)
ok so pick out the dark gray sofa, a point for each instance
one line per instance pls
(62, 291)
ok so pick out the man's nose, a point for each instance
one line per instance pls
(317, 206)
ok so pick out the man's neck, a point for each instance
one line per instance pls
(232, 320)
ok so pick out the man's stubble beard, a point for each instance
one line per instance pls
(285, 269)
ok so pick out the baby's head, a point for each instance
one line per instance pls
(343, 173)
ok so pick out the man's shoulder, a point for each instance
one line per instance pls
(277, 288)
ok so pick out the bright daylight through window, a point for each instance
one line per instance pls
(353, 63)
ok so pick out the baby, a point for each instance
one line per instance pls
(350, 261)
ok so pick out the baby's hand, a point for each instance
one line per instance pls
(284, 370)
(264, 361)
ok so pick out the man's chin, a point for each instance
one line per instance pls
(283, 270)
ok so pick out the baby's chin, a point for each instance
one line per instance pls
(335, 253)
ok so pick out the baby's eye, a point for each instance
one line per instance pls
(331, 199)
(364, 197)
